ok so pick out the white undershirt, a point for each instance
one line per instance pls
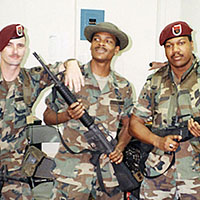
(101, 80)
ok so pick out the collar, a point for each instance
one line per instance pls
(112, 79)
(88, 72)
(19, 77)
(193, 66)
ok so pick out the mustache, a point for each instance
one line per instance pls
(177, 54)
(14, 54)
(96, 48)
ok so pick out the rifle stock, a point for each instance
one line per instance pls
(95, 137)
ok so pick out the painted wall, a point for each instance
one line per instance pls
(190, 13)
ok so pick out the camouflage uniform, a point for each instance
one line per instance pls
(13, 113)
(76, 176)
(171, 99)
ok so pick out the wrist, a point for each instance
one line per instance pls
(156, 140)
(120, 147)
(67, 116)
(70, 61)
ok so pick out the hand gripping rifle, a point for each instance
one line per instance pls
(175, 128)
(95, 137)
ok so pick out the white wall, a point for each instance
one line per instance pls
(54, 30)
(190, 13)
(50, 26)
(138, 19)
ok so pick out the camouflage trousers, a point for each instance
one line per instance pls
(64, 191)
(165, 188)
(13, 190)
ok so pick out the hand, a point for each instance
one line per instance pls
(157, 65)
(73, 76)
(168, 143)
(116, 156)
(76, 110)
(194, 127)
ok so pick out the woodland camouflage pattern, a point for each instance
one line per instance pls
(107, 106)
(13, 113)
(172, 100)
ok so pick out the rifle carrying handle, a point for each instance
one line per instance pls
(86, 119)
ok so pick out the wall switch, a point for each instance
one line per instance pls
(90, 17)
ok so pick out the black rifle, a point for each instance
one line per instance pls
(94, 135)
(136, 152)
(4, 177)
(176, 128)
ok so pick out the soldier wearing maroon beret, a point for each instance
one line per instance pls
(170, 97)
(19, 89)
(175, 29)
(12, 31)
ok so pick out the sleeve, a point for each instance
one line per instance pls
(40, 76)
(40, 80)
(128, 102)
(55, 101)
(142, 107)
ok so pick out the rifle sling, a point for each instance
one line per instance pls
(156, 176)
(95, 161)
(155, 85)
(116, 190)
(69, 149)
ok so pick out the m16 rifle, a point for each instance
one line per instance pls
(176, 128)
(95, 137)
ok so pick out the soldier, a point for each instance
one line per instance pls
(19, 89)
(171, 91)
(108, 97)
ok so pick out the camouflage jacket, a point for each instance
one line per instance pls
(170, 100)
(107, 107)
(14, 109)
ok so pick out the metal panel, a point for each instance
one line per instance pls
(90, 17)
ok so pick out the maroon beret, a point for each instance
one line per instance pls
(10, 32)
(175, 29)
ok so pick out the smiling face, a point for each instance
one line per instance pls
(14, 52)
(103, 46)
(178, 51)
